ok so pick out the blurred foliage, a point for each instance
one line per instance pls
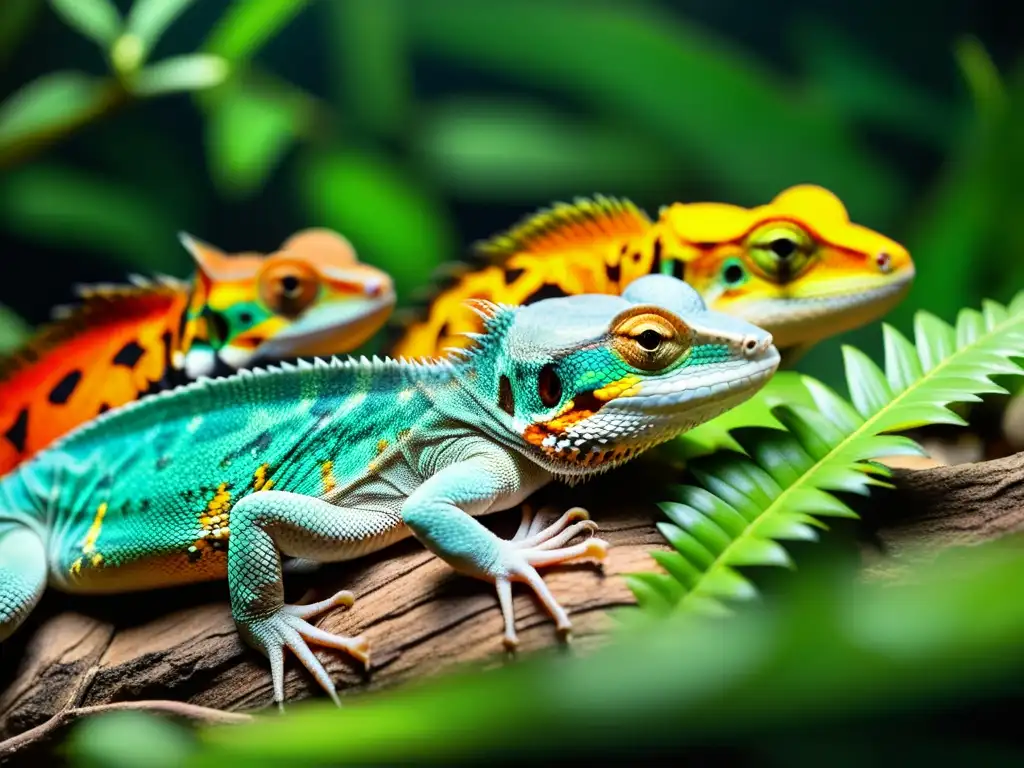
(417, 127)
(563, 97)
(770, 684)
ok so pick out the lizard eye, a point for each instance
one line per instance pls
(648, 340)
(734, 274)
(288, 288)
(784, 247)
(549, 386)
(781, 251)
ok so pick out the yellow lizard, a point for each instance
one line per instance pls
(797, 267)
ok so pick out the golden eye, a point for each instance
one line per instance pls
(288, 288)
(649, 339)
(780, 251)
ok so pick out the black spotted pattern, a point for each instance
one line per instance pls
(511, 275)
(129, 355)
(546, 291)
(62, 392)
(18, 433)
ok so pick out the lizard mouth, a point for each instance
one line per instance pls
(596, 435)
(806, 319)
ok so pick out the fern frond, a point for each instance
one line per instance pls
(783, 481)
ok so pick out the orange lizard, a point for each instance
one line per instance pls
(121, 342)
(797, 267)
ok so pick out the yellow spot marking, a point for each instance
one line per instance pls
(259, 478)
(215, 518)
(616, 388)
(96, 559)
(76, 567)
(327, 476)
(220, 501)
(89, 545)
(381, 446)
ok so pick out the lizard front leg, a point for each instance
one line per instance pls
(440, 514)
(22, 575)
(265, 524)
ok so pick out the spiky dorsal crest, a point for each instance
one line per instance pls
(100, 304)
(582, 224)
(497, 319)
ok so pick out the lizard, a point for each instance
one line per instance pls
(123, 342)
(328, 460)
(798, 267)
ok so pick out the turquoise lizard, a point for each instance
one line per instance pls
(327, 461)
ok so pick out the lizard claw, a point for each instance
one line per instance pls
(530, 549)
(288, 628)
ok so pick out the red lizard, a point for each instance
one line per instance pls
(122, 342)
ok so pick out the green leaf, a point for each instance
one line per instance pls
(248, 133)
(192, 72)
(50, 104)
(248, 25)
(785, 478)
(147, 19)
(372, 62)
(13, 330)
(393, 221)
(121, 739)
(521, 151)
(99, 20)
(66, 208)
(679, 87)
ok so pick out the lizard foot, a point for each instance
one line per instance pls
(288, 628)
(533, 547)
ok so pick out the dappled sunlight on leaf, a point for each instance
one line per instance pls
(248, 133)
(49, 103)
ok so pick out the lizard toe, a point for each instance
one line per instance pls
(288, 628)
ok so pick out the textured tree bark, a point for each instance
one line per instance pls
(178, 651)
(946, 506)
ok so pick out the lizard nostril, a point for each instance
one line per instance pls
(753, 345)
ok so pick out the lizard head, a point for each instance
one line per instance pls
(311, 297)
(589, 381)
(797, 267)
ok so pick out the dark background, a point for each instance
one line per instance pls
(426, 95)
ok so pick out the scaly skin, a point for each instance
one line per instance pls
(329, 461)
(797, 267)
(124, 342)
